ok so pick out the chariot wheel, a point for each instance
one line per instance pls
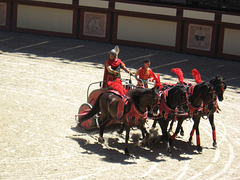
(89, 123)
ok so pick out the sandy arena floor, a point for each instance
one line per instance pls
(43, 82)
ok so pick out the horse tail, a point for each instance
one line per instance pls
(95, 109)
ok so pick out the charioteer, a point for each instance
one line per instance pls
(113, 66)
(145, 74)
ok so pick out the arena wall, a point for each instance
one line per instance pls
(44, 18)
(177, 28)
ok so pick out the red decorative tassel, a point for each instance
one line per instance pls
(198, 139)
(157, 81)
(179, 73)
(196, 76)
(214, 135)
(192, 132)
(173, 136)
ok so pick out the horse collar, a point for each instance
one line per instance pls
(134, 112)
(193, 109)
(164, 107)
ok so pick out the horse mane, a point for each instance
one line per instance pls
(173, 95)
(135, 94)
(202, 87)
(177, 88)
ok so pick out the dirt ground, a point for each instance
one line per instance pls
(43, 82)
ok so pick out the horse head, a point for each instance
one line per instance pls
(201, 93)
(207, 94)
(144, 98)
(219, 85)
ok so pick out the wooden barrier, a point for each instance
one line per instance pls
(176, 28)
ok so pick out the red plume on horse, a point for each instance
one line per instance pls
(196, 76)
(157, 81)
(179, 73)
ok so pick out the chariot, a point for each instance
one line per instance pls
(92, 96)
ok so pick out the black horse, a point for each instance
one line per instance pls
(198, 94)
(173, 101)
(218, 85)
(134, 114)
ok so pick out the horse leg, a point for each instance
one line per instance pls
(126, 140)
(145, 134)
(164, 124)
(121, 128)
(143, 129)
(181, 131)
(179, 125)
(197, 121)
(102, 126)
(153, 126)
(192, 132)
(170, 128)
(211, 120)
(154, 123)
(171, 125)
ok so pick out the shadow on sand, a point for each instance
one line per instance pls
(112, 150)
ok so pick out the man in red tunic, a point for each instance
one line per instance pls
(112, 68)
(145, 74)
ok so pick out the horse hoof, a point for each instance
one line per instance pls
(144, 143)
(169, 153)
(151, 130)
(199, 148)
(101, 140)
(120, 132)
(214, 144)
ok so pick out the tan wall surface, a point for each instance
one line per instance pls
(198, 15)
(147, 30)
(3, 13)
(231, 42)
(47, 19)
(231, 19)
(146, 9)
(94, 3)
(56, 1)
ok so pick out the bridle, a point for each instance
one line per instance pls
(222, 89)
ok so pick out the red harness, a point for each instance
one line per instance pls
(134, 112)
(215, 105)
(122, 102)
(163, 106)
(193, 109)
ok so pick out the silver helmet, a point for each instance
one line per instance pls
(113, 51)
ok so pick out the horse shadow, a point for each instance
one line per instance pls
(113, 148)
(181, 149)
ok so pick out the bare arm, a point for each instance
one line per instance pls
(127, 70)
(110, 70)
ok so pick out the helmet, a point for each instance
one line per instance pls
(113, 51)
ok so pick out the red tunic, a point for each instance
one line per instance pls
(145, 75)
(115, 65)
